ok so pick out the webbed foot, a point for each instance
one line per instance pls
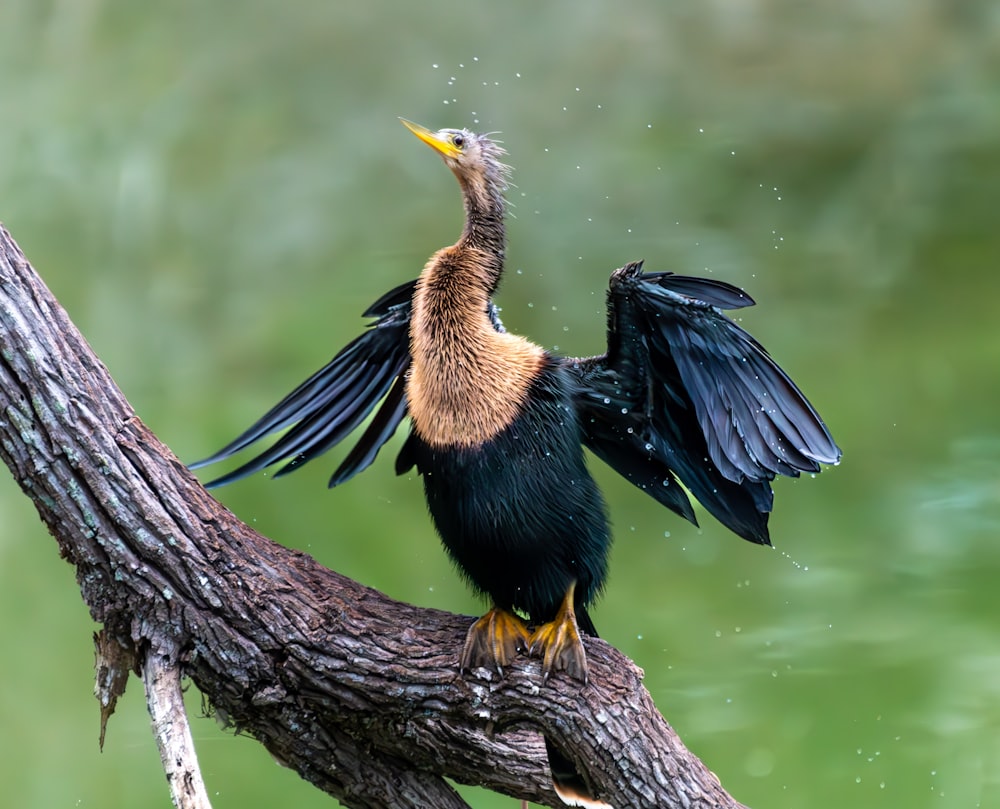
(558, 642)
(494, 641)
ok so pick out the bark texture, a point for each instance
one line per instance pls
(356, 692)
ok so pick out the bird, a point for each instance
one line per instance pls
(683, 400)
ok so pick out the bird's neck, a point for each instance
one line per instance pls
(484, 234)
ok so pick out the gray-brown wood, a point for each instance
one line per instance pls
(161, 675)
(356, 692)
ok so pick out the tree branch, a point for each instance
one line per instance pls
(358, 693)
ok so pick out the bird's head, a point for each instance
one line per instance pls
(474, 159)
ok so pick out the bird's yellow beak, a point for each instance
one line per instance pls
(432, 139)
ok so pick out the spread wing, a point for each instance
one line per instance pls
(332, 402)
(684, 392)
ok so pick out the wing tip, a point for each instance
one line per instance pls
(225, 480)
(829, 458)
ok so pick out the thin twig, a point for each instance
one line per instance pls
(165, 700)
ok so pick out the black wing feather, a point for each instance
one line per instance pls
(386, 420)
(331, 403)
(702, 399)
(755, 418)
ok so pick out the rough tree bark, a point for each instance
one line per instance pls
(357, 693)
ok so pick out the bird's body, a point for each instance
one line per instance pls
(519, 513)
(499, 425)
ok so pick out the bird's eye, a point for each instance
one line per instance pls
(458, 140)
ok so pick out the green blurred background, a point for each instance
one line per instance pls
(215, 191)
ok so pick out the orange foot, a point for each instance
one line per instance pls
(558, 642)
(494, 640)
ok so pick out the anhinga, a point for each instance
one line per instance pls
(498, 424)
